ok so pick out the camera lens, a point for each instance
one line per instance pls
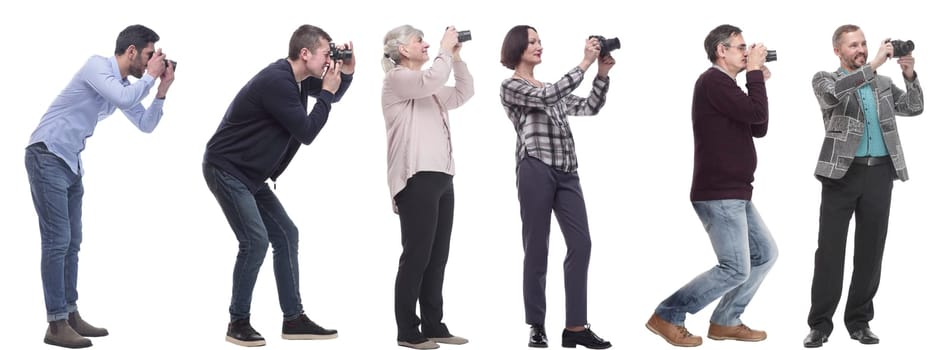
(464, 35)
(606, 45)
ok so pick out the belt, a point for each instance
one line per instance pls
(872, 161)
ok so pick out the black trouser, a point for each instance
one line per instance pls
(867, 192)
(426, 212)
(542, 191)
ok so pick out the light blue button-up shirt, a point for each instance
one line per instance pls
(872, 143)
(92, 95)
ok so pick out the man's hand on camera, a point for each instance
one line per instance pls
(763, 68)
(756, 56)
(156, 65)
(885, 51)
(348, 67)
(167, 77)
(907, 63)
(331, 77)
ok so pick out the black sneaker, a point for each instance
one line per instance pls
(303, 329)
(586, 338)
(241, 333)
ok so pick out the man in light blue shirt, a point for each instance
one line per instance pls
(55, 169)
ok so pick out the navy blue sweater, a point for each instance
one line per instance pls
(725, 122)
(266, 123)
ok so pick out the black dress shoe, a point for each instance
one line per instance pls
(586, 338)
(537, 336)
(815, 339)
(865, 336)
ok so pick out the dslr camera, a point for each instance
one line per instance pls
(606, 45)
(464, 35)
(901, 48)
(172, 63)
(339, 53)
(771, 56)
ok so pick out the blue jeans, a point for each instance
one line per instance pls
(745, 252)
(258, 220)
(57, 197)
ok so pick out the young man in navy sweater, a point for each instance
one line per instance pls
(261, 131)
(725, 120)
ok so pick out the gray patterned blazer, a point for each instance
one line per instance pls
(845, 123)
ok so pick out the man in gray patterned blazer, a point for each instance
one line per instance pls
(860, 158)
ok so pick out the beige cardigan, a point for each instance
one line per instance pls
(415, 105)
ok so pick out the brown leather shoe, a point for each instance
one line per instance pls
(673, 334)
(740, 332)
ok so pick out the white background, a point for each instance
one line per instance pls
(157, 255)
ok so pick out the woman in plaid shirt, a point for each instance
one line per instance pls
(547, 180)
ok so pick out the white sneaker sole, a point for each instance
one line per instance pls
(310, 336)
(254, 343)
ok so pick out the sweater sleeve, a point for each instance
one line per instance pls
(729, 100)
(280, 99)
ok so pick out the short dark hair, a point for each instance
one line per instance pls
(137, 35)
(515, 43)
(843, 29)
(306, 37)
(718, 35)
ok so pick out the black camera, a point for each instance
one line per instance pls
(771, 56)
(901, 48)
(172, 63)
(464, 35)
(336, 53)
(606, 45)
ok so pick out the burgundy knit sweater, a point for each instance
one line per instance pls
(725, 122)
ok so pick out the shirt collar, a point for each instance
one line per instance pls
(725, 72)
(115, 70)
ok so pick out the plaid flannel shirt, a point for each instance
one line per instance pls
(539, 116)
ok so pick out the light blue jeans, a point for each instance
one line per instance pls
(746, 252)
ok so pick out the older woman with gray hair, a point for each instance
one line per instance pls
(415, 103)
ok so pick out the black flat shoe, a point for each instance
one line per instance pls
(537, 336)
(815, 339)
(865, 336)
(586, 338)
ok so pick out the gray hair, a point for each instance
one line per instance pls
(396, 37)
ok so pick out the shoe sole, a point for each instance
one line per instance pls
(669, 340)
(734, 338)
(419, 345)
(310, 336)
(248, 344)
(537, 345)
(450, 341)
(80, 346)
(574, 346)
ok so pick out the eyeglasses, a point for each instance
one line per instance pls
(742, 47)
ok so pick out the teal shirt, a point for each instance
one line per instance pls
(872, 143)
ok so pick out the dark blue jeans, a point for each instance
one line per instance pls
(57, 197)
(258, 220)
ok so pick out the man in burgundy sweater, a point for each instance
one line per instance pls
(725, 121)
